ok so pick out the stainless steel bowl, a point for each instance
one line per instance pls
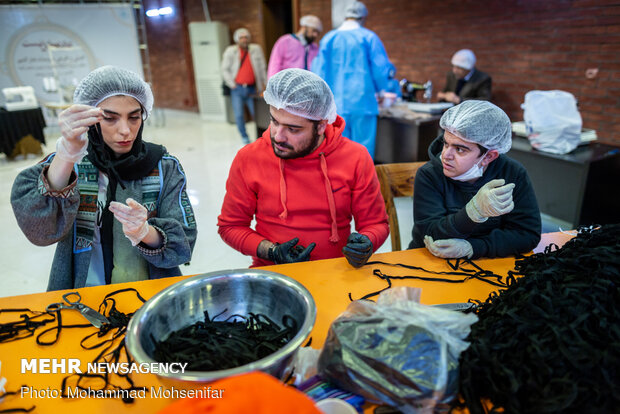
(240, 292)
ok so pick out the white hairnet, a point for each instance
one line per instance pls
(465, 59)
(356, 10)
(108, 81)
(302, 93)
(479, 122)
(311, 21)
(240, 32)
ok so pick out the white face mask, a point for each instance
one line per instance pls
(474, 172)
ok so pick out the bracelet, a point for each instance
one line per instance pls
(270, 252)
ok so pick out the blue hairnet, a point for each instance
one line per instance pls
(302, 93)
(108, 81)
(479, 122)
(356, 10)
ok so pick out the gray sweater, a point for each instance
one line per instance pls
(48, 217)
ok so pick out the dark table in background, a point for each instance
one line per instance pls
(15, 125)
(398, 140)
(580, 187)
(404, 140)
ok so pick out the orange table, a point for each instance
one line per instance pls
(329, 281)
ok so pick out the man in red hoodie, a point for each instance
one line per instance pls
(303, 182)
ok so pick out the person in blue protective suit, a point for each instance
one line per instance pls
(355, 65)
(393, 84)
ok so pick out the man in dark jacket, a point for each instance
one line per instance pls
(470, 200)
(464, 81)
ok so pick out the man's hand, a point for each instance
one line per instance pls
(448, 248)
(290, 252)
(492, 200)
(74, 122)
(450, 97)
(358, 249)
(133, 218)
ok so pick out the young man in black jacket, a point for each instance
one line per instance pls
(470, 200)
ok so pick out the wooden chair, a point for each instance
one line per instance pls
(396, 180)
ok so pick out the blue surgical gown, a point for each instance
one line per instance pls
(355, 65)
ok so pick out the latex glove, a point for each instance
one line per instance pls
(357, 250)
(133, 218)
(492, 200)
(290, 252)
(449, 248)
(74, 122)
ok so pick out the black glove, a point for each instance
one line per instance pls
(358, 249)
(290, 252)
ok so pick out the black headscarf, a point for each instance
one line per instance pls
(134, 165)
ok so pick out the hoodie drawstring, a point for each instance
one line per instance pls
(284, 213)
(334, 238)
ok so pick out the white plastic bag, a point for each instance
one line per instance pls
(552, 121)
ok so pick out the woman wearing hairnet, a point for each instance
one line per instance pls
(116, 205)
(470, 200)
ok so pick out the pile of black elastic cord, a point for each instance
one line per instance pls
(550, 342)
(215, 345)
(459, 274)
(110, 338)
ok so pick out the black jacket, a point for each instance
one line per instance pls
(477, 87)
(439, 208)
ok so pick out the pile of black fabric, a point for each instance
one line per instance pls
(550, 342)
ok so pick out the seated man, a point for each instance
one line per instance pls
(303, 182)
(470, 200)
(464, 81)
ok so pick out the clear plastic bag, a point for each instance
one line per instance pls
(303, 365)
(552, 121)
(397, 351)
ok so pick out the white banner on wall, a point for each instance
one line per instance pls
(52, 47)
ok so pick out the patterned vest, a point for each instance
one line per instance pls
(88, 185)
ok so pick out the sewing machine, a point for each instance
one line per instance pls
(409, 89)
(18, 98)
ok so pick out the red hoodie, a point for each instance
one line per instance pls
(313, 198)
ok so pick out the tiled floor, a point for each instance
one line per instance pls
(206, 150)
